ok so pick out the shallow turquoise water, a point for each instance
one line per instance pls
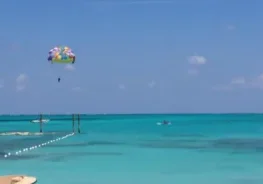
(130, 149)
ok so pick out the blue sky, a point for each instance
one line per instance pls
(133, 56)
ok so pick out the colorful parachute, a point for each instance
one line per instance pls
(61, 54)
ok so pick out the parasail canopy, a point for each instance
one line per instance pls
(61, 54)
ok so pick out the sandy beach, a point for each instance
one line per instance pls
(17, 179)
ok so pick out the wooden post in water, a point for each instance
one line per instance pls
(40, 123)
(78, 123)
(73, 122)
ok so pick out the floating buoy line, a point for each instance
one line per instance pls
(18, 152)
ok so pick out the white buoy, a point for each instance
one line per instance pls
(38, 146)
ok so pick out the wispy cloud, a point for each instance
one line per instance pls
(242, 83)
(21, 82)
(239, 80)
(197, 60)
(152, 84)
(69, 67)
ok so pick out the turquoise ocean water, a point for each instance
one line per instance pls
(128, 149)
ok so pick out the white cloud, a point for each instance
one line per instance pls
(122, 87)
(197, 60)
(193, 72)
(244, 83)
(76, 89)
(254, 82)
(21, 82)
(152, 84)
(69, 67)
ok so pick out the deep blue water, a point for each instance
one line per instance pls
(118, 149)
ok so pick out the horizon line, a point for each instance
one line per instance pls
(168, 113)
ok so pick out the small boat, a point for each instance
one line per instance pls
(38, 121)
(164, 123)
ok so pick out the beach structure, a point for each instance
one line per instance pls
(73, 122)
(78, 123)
(41, 123)
(74, 116)
(23, 179)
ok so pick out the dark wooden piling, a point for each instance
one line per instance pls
(73, 122)
(78, 123)
(41, 123)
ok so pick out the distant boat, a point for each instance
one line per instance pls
(38, 121)
(164, 123)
